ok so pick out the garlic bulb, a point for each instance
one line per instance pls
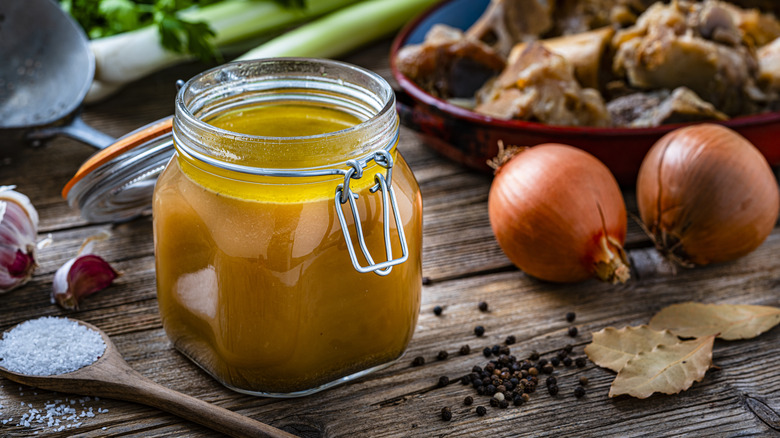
(18, 230)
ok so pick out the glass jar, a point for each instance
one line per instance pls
(287, 227)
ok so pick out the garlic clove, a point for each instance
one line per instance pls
(82, 276)
(18, 230)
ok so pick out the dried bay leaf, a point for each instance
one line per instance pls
(732, 321)
(612, 348)
(668, 369)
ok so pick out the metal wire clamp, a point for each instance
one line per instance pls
(344, 194)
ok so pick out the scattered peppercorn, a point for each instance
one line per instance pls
(479, 330)
(567, 361)
(499, 396)
(446, 414)
(481, 411)
(584, 381)
(483, 306)
(525, 397)
(503, 404)
(555, 361)
(418, 361)
(568, 348)
(533, 371)
(518, 400)
(437, 310)
(572, 331)
(548, 369)
(426, 281)
(571, 316)
(534, 355)
(551, 381)
(487, 352)
(579, 392)
(464, 350)
(465, 380)
(510, 339)
(541, 363)
(476, 369)
(468, 400)
(493, 402)
(496, 350)
(580, 362)
(444, 381)
(442, 355)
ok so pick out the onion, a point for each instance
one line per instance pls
(706, 195)
(558, 214)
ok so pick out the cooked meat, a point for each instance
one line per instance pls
(583, 50)
(575, 16)
(508, 22)
(694, 45)
(769, 65)
(449, 64)
(641, 110)
(540, 86)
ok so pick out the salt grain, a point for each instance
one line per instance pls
(49, 346)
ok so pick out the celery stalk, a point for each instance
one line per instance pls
(128, 56)
(342, 31)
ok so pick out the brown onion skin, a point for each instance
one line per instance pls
(544, 210)
(707, 195)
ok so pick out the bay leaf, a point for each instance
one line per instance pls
(668, 369)
(612, 348)
(730, 321)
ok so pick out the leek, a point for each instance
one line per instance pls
(342, 31)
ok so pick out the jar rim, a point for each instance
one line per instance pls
(388, 101)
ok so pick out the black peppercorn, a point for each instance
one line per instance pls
(483, 306)
(567, 361)
(561, 354)
(418, 361)
(541, 363)
(468, 400)
(437, 310)
(442, 355)
(444, 381)
(503, 404)
(555, 361)
(511, 339)
(493, 403)
(580, 362)
(490, 389)
(534, 355)
(487, 352)
(464, 350)
(426, 281)
(572, 331)
(481, 411)
(568, 348)
(552, 381)
(579, 392)
(446, 414)
(552, 389)
(504, 350)
(571, 316)
(479, 330)
(548, 369)
(476, 369)
(496, 350)
(584, 381)
(480, 390)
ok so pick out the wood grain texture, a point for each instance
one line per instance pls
(466, 266)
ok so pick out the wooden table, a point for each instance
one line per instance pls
(465, 266)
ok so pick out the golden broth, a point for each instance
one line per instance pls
(254, 280)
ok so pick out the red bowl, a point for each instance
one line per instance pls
(472, 139)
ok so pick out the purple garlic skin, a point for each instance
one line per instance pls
(82, 276)
(18, 231)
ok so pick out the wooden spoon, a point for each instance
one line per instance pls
(111, 377)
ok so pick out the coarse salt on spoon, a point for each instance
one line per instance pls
(111, 377)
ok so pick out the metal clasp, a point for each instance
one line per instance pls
(344, 194)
